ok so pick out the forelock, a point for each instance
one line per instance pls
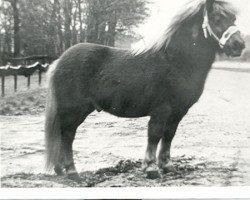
(225, 8)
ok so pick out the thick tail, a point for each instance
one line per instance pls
(52, 129)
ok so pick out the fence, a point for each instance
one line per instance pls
(21, 70)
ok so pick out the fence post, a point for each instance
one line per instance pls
(3, 85)
(40, 77)
(28, 82)
(15, 82)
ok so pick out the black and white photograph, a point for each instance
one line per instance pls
(125, 94)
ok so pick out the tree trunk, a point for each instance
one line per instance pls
(1, 49)
(112, 23)
(14, 4)
(16, 28)
(59, 29)
(92, 22)
(111, 34)
(53, 31)
(74, 30)
(67, 24)
(82, 35)
(102, 34)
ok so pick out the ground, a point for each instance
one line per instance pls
(211, 147)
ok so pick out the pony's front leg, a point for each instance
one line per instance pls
(164, 161)
(156, 128)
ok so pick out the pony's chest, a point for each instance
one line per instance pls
(188, 93)
(180, 92)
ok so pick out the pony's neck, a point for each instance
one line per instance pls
(189, 47)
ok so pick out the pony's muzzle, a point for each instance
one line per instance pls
(234, 45)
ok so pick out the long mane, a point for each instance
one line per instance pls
(188, 12)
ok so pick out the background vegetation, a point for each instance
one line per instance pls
(38, 27)
(49, 27)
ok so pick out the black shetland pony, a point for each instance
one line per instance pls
(162, 81)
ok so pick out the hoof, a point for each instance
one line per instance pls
(58, 170)
(168, 168)
(153, 174)
(152, 171)
(74, 177)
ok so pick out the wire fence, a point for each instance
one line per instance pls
(21, 70)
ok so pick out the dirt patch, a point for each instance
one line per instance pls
(129, 174)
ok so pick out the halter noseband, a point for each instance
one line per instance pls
(225, 36)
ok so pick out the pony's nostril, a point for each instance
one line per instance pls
(243, 45)
(239, 45)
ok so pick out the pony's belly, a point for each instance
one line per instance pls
(127, 109)
(124, 104)
(127, 113)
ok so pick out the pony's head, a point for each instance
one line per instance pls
(219, 23)
(215, 17)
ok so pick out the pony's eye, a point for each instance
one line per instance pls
(217, 21)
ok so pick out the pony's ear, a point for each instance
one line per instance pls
(209, 5)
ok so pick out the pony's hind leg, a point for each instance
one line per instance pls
(70, 120)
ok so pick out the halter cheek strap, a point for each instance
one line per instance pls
(209, 31)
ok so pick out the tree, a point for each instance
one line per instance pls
(50, 27)
(14, 4)
(81, 6)
(67, 8)
(107, 17)
(6, 31)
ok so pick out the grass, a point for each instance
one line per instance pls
(22, 84)
(24, 101)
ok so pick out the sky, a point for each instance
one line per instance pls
(163, 10)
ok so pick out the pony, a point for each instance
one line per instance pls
(161, 81)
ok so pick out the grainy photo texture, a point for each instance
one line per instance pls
(124, 93)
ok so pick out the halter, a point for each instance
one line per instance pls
(225, 36)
